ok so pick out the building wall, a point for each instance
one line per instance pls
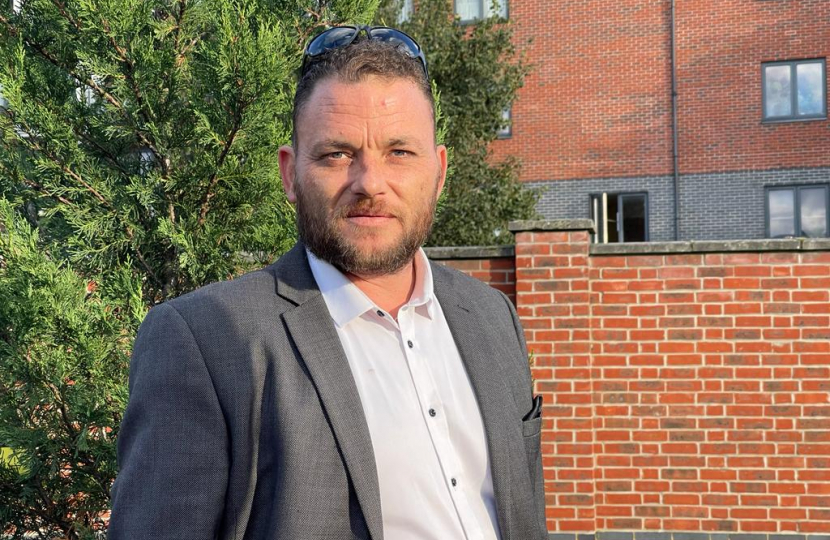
(722, 206)
(714, 206)
(595, 114)
(721, 45)
(686, 385)
(572, 198)
(596, 103)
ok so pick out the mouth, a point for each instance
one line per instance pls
(363, 215)
(359, 218)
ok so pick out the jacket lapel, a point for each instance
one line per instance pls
(477, 351)
(313, 332)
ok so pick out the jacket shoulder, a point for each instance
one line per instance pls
(244, 290)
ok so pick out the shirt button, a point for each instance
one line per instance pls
(380, 313)
(432, 412)
(410, 344)
(454, 482)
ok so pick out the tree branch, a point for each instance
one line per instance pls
(214, 177)
(31, 140)
(143, 108)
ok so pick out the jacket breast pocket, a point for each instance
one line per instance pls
(532, 431)
(532, 426)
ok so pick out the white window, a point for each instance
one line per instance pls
(506, 130)
(86, 95)
(146, 160)
(406, 11)
(471, 10)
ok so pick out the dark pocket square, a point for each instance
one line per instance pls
(536, 411)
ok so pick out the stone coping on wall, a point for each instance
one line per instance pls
(653, 535)
(709, 246)
(551, 225)
(469, 252)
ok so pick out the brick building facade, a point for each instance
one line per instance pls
(595, 115)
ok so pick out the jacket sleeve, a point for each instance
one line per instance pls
(173, 440)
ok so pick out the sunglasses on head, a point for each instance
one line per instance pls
(343, 36)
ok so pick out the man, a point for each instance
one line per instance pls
(352, 389)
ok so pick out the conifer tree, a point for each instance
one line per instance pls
(138, 161)
(477, 70)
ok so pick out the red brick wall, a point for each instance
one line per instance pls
(498, 272)
(598, 102)
(683, 392)
(720, 49)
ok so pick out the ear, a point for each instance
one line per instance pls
(441, 152)
(287, 160)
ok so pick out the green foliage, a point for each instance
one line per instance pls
(63, 361)
(477, 71)
(138, 161)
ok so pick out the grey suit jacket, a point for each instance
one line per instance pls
(244, 421)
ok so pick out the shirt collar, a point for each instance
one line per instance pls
(346, 302)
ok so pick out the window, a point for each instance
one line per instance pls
(86, 95)
(794, 90)
(507, 130)
(471, 10)
(406, 11)
(620, 217)
(798, 211)
(146, 160)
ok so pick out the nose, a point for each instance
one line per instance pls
(367, 177)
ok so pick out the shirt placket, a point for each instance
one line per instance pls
(435, 417)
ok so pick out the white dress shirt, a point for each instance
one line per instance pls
(426, 428)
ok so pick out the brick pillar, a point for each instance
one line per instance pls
(553, 301)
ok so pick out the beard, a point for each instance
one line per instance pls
(322, 234)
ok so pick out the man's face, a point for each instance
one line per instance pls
(365, 173)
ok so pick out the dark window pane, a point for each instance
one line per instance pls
(814, 212)
(781, 213)
(611, 218)
(810, 84)
(634, 218)
(777, 91)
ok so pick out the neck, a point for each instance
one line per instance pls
(388, 291)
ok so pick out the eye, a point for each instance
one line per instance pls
(336, 155)
(400, 153)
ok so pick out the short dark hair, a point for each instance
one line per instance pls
(355, 63)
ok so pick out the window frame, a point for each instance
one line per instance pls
(794, 116)
(598, 236)
(406, 11)
(484, 10)
(796, 188)
(507, 131)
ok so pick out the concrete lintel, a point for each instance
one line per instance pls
(469, 252)
(551, 225)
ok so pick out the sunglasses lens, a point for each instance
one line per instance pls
(343, 36)
(396, 36)
(331, 39)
